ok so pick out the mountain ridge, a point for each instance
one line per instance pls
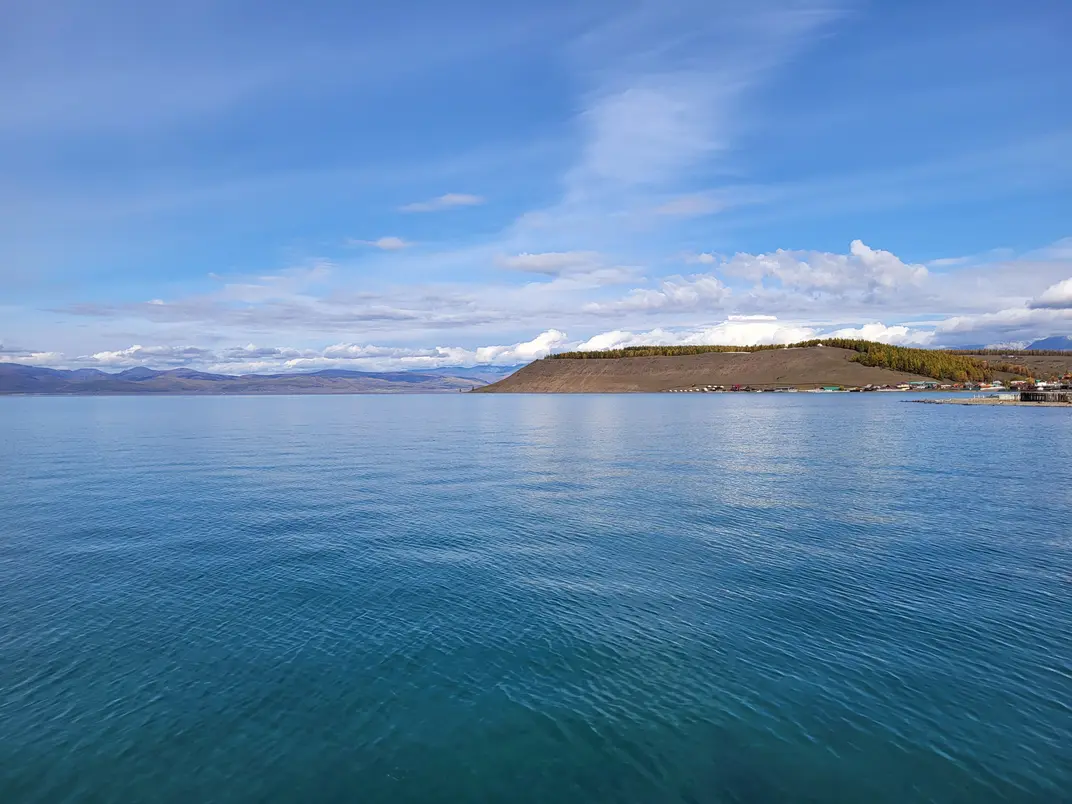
(16, 378)
(1055, 342)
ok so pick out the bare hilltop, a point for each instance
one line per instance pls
(811, 365)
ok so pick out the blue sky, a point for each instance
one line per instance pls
(263, 186)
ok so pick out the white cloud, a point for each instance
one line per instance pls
(46, 359)
(897, 335)
(748, 331)
(947, 262)
(735, 331)
(570, 270)
(554, 263)
(869, 272)
(753, 330)
(650, 131)
(446, 201)
(1055, 297)
(540, 346)
(1029, 322)
(674, 294)
(276, 359)
(619, 339)
(1060, 250)
(704, 258)
(384, 243)
(369, 357)
(286, 284)
(138, 355)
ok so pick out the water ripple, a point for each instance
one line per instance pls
(647, 599)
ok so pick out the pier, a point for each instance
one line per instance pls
(1063, 395)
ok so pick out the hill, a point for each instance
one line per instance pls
(809, 364)
(804, 367)
(1040, 366)
(16, 378)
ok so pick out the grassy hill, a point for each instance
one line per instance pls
(934, 363)
(809, 364)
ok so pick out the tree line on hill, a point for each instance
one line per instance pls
(941, 364)
(1012, 352)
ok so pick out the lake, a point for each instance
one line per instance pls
(665, 598)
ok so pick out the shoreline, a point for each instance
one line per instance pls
(1005, 403)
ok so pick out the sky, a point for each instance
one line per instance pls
(256, 187)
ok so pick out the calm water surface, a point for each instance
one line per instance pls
(550, 599)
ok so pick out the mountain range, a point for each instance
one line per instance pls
(1061, 342)
(1053, 343)
(16, 378)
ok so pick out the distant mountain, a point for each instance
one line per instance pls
(16, 378)
(1062, 342)
(485, 373)
(138, 374)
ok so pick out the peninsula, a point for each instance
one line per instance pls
(809, 365)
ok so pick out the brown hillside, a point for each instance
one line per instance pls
(1042, 365)
(802, 368)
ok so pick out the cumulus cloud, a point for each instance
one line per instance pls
(864, 270)
(791, 283)
(138, 355)
(897, 335)
(734, 331)
(753, 330)
(1055, 297)
(384, 243)
(446, 201)
(703, 258)
(372, 357)
(674, 294)
(540, 346)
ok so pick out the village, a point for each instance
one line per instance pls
(1011, 387)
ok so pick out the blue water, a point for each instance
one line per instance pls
(761, 598)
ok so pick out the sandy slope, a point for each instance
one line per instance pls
(802, 368)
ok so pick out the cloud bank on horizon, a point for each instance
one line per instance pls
(442, 184)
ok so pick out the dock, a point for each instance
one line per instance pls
(1060, 398)
(1061, 395)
